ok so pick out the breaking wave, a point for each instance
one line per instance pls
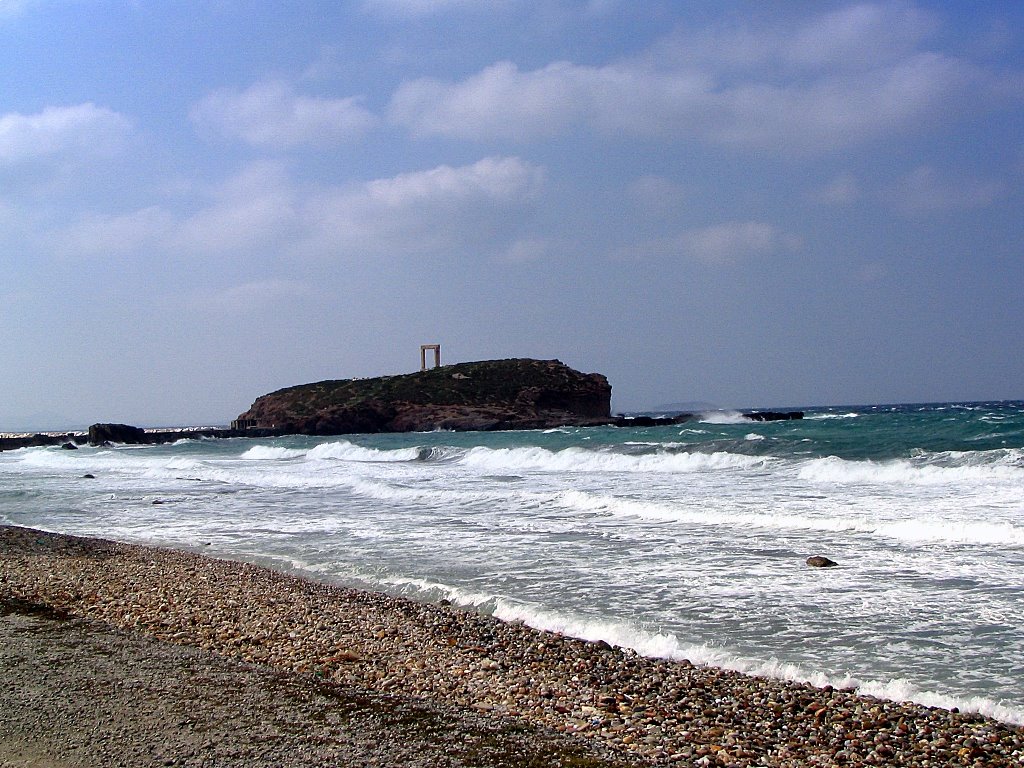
(585, 460)
(666, 645)
(947, 467)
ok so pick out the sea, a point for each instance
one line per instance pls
(685, 542)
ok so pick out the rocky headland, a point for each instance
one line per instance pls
(488, 395)
(518, 393)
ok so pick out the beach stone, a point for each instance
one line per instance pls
(819, 561)
(650, 710)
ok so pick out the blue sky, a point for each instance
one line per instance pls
(752, 204)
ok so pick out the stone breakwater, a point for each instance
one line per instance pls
(646, 710)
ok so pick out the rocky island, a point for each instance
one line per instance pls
(518, 393)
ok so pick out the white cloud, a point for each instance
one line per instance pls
(860, 35)
(841, 78)
(834, 110)
(736, 241)
(498, 102)
(255, 209)
(428, 7)
(656, 195)
(527, 250)
(502, 101)
(720, 244)
(421, 212)
(255, 296)
(105, 235)
(497, 178)
(264, 211)
(842, 190)
(840, 110)
(271, 114)
(923, 191)
(602, 7)
(856, 36)
(81, 130)
(11, 8)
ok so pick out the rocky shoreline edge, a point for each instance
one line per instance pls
(530, 697)
(126, 434)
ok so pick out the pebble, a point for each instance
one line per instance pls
(648, 710)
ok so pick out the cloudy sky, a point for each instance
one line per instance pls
(752, 204)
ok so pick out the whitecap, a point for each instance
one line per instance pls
(667, 645)
(346, 451)
(583, 460)
(723, 417)
(271, 453)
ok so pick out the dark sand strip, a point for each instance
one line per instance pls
(318, 675)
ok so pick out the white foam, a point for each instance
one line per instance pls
(948, 468)
(724, 417)
(667, 645)
(935, 530)
(904, 690)
(50, 457)
(271, 453)
(583, 460)
(347, 451)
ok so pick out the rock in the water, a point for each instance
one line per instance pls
(818, 561)
(486, 395)
(116, 433)
(69, 446)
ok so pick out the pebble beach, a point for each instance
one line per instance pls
(615, 706)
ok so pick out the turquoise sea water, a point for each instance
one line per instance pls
(686, 541)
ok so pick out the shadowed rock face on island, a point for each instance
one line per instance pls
(486, 395)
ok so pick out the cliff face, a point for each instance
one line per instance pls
(487, 395)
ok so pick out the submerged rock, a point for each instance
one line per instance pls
(819, 561)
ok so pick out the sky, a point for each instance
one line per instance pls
(743, 203)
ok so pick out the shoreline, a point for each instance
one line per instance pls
(617, 703)
(125, 434)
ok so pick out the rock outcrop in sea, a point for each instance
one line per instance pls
(518, 393)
